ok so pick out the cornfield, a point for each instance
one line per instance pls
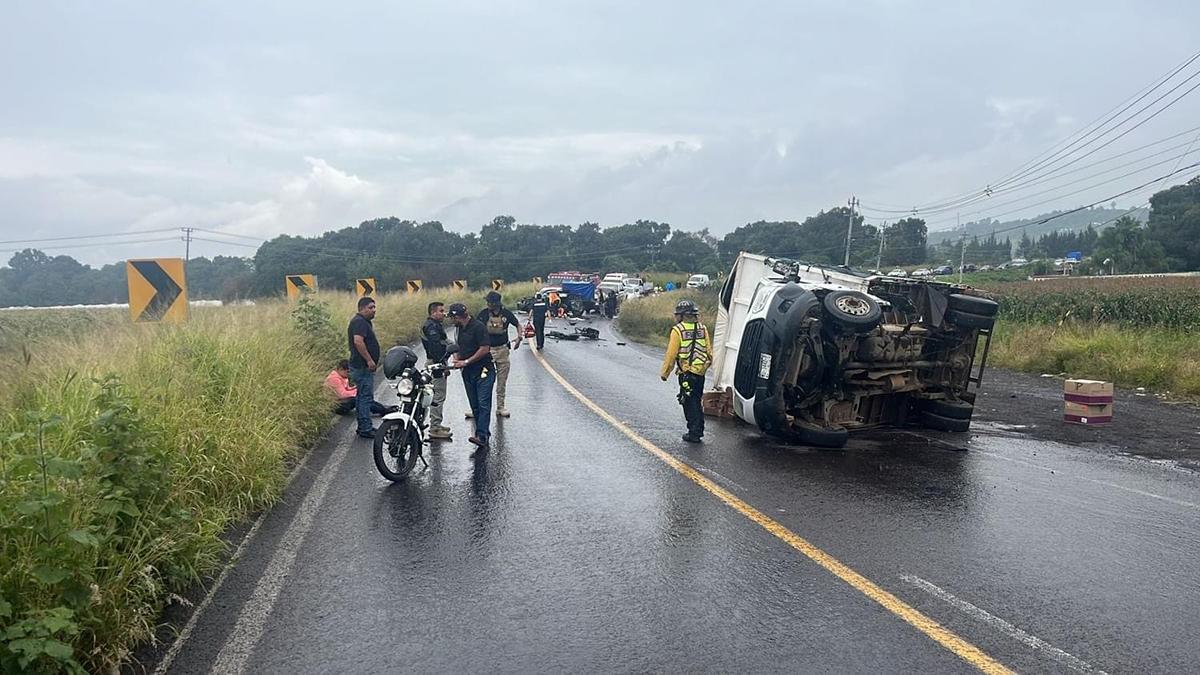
(1167, 302)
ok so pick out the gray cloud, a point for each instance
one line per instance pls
(301, 117)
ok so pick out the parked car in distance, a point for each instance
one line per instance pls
(923, 272)
(897, 273)
(699, 281)
(1018, 262)
(634, 287)
(985, 268)
(614, 281)
(943, 270)
(969, 267)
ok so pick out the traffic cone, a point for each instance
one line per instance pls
(529, 332)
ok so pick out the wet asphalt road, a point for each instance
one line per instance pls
(570, 547)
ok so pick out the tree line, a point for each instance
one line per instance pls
(392, 251)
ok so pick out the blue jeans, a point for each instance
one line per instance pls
(479, 385)
(365, 381)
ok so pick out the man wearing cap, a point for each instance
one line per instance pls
(540, 307)
(497, 319)
(474, 359)
(689, 354)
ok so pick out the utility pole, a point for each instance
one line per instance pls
(962, 248)
(850, 229)
(187, 244)
(879, 257)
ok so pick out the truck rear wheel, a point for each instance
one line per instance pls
(939, 423)
(972, 304)
(955, 410)
(970, 321)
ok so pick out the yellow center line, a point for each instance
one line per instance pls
(934, 630)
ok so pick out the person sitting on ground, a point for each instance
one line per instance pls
(338, 382)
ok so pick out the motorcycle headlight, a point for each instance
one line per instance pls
(405, 386)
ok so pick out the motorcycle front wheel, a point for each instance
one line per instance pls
(397, 448)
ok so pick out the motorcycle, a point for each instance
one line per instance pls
(402, 435)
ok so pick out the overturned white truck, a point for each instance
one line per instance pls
(809, 353)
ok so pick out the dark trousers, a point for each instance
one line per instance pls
(691, 387)
(539, 331)
(364, 380)
(479, 383)
(345, 406)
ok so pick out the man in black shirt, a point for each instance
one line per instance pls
(433, 337)
(364, 359)
(540, 307)
(474, 358)
(496, 319)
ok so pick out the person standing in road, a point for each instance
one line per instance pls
(538, 313)
(364, 359)
(610, 304)
(689, 352)
(474, 359)
(433, 337)
(497, 320)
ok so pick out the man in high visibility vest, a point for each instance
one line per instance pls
(690, 354)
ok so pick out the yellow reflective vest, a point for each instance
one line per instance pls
(689, 349)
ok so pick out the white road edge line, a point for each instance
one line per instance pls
(1117, 486)
(169, 658)
(1004, 627)
(1096, 481)
(252, 620)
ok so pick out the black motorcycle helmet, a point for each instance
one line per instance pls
(397, 360)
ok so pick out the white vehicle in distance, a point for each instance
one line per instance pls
(634, 287)
(699, 281)
(897, 273)
(923, 272)
(613, 282)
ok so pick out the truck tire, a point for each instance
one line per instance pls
(970, 321)
(819, 437)
(855, 311)
(955, 410)
(939, 423)
(972, 305)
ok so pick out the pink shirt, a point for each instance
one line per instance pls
(339, 385)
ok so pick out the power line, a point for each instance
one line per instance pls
(1088, 130)
(1061, 196)
(107, 243)
(88, 236)
(1060, 172)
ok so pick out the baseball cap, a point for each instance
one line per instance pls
(493, 298)
(457, 309)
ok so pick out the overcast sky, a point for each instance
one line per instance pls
(296, 117)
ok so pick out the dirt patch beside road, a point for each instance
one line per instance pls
(1143, 424)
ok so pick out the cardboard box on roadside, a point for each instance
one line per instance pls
(1084, 413)
(717, 403)
(1090, 392)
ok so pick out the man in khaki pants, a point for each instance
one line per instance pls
(497, 320)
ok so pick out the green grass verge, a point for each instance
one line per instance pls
(1165, 360)
(127, 450)
(649, 319)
